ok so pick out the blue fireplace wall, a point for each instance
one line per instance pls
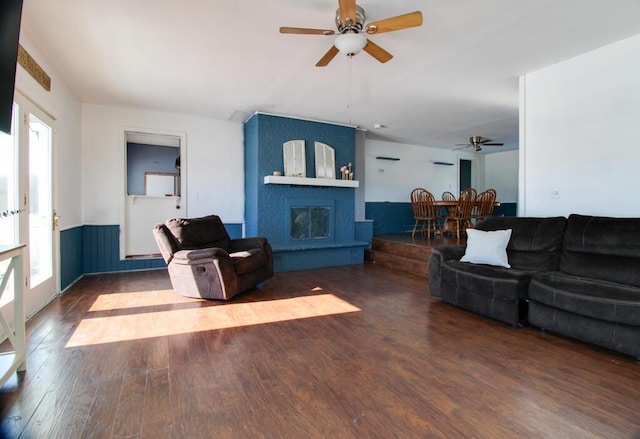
(265, 207)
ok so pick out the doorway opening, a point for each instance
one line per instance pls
(153, 188)
(465, 178)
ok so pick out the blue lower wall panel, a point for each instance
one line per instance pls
(96, 249)
(389, 217)
(234, 230)
(101, 252)
(506, 209)
(71, 259)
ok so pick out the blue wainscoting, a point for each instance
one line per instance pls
(506, 209)
(101, 252)
(391, 217)
(96, 249)
(71, 259)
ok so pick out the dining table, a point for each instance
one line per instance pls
(450, 207)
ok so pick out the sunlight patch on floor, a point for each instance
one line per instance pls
(180, 321)
(108, 302)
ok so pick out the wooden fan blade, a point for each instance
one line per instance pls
(493, 144)
(347, 10)
(303, 31)
(412, 19)
(326, 59)
(377, 52)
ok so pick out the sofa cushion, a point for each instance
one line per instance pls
(617, 336)
(487, 247)
(602, 248)
(485, 280)
(248, 260)
(194, 233)
(598, 299)
(535, 242)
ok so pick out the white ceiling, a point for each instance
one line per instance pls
(453, 77)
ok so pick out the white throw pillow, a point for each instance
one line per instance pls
(487, 247)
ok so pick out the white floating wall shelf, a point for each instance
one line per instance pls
(304, 181)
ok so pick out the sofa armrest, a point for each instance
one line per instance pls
(191, 257)
(447, 252)
(244, 244)
(439, 255)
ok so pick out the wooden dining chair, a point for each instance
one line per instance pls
(462, 214)
(424, 209)
(449, 210)
(448, 196)
(485, 203)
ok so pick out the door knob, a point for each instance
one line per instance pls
(54, 219)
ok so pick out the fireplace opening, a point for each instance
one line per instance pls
(309, 220)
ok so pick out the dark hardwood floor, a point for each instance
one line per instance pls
(346, 352)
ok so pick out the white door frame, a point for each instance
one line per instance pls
(153, 132)
(37, 298)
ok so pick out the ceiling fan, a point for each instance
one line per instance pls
(477, 142)
(350, 24)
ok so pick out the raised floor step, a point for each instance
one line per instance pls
(405, 249)
(398, 263)
(402, 252)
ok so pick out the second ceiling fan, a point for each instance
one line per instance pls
(477, 142)
(350, 22)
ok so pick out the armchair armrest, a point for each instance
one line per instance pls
(191, 257)
(244, 244)
(165, 241)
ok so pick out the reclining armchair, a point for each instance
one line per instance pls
(205, 263)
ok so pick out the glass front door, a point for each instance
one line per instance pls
(30, 199)
(41, 225)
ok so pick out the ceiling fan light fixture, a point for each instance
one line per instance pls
(350, 44)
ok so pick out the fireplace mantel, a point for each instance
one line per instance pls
(302, 181)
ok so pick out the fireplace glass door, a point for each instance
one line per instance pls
(310, 222)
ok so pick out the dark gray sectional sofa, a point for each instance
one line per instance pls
(579, 277)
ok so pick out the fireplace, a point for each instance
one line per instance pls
(309, 220)
(308, 225)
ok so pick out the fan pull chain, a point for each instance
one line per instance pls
(349, 87)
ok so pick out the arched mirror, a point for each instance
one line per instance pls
(294, 158)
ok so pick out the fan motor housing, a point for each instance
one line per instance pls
(348, 26)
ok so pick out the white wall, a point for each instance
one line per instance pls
(214, 165)
(579, 134)
(394, 180)
(501, 174)
(64, 107)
